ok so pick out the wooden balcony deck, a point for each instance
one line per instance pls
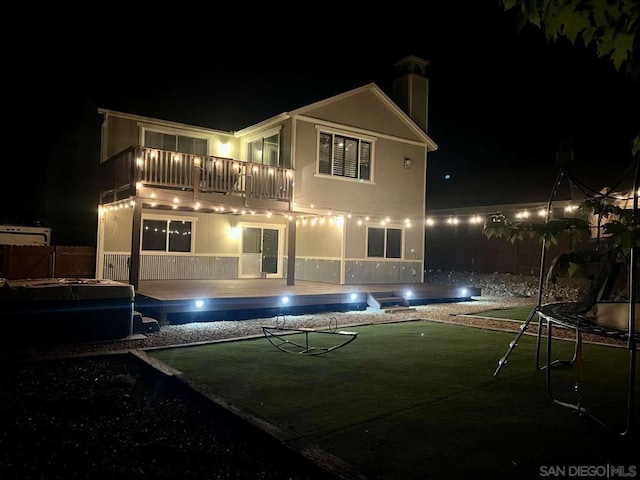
(124, 174)
(182, 301)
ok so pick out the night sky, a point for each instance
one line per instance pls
(500, 100)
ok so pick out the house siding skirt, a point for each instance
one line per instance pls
(374, 271)
(172, 267)
(318, 270)
(358, 272)
(204, 267)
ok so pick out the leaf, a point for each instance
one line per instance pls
(496, 226)
(599, 11)
(574, 23)
(622, 49)
(606, 43)
(508, 4)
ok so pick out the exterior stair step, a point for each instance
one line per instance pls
(386, 301)
(391, 299)
(142, 324)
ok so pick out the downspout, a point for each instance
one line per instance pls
(343, 249)
(424, 219)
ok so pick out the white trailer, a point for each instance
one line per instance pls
(22, 235)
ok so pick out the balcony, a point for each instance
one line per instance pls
(207, 177)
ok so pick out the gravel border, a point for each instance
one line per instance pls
(206, 332)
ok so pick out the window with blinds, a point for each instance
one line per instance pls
(344, 156)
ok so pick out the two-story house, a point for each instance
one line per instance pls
(331, 192)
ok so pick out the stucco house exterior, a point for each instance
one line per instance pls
(331, 192)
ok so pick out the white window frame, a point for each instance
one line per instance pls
(281, 242)
(167, 219)
(385, 228)
(357, 136)
(177, 132)
(261, 136)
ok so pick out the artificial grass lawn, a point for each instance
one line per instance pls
(515, 313)
(418, 400)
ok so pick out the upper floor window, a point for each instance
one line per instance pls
(175, 143)
(384, 242)
(344, 156)
(166, 235)
(264, 150)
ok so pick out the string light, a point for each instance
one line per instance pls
(338, 219)
(326, 215)
(322, 219)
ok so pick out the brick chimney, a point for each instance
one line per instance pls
(410, 89)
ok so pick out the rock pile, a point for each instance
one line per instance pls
(510, 285)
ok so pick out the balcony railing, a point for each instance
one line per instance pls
(182, 171)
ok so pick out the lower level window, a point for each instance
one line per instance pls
(166, 235)
(384, 242)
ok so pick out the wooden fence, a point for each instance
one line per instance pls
(22, 262)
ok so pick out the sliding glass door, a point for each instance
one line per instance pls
(261, 251)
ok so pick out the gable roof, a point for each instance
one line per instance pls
(386, 100)
(160, 121)
(371, 87)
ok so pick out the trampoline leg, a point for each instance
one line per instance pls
(548, 370)
(538, 339)
(514, 343)
(577, 407)
(557, 361)
(632, 388)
